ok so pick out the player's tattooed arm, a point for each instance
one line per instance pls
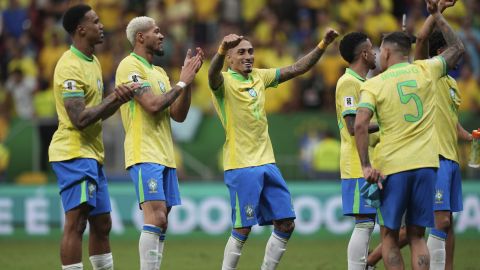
(421, 44)
(305, 63)
(350, 121)
(215, 77)
(156, 103)
(455, 48)
(81, 117)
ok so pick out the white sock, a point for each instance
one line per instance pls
(357, 251)
(102, 262)
(436, 248)
(276, 246)
(232, 253)
(75, 266)
(148, 247)
(161, 244)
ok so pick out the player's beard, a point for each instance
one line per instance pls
(159, 52)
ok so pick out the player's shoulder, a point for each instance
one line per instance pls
(68, 65)
(347, 81)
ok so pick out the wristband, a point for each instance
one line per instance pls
(322, 45)
(181, 84)
(221, 50)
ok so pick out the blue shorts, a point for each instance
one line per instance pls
(448, 189)
(352, 201)
(82, 180)
(258, 195)
(155, 182)
(408, 192)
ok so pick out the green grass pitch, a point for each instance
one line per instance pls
(205, 253)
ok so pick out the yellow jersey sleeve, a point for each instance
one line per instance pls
(270, 76)
(347, 94)
(367, 99)
(436, 65)
(71, 82)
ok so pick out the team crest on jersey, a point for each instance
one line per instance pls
(152, 185)
(91, 189)
(252, 92)
(249, 211)
(349, 102)
(162, 87)
(134, 77)
(70, 85)
(439, 196)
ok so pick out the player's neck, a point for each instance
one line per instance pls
(360, 68)
(83, 46)
(397, 60)
(140, 51)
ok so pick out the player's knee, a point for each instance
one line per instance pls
(443, 223)
(76, 226)
(160, 220)
(244, 231)
(286, 226)
(101, 227)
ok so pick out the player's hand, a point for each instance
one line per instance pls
(124, 92)
(444, 4)
(432, 6)
(330, 36)
(372, 176)
(191, 66)
(231, 41)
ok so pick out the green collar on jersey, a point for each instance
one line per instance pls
(80, 54)
(354, 74)
(399, 65)
(239, 76)
(141, 59)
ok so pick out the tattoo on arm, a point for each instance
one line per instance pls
(215, 77)
(82, 117)
(301, 66)
(455, 47)
(421, 44)
(423, 260)
(156, 103)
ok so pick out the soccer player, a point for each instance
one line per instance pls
(448, 188)
(258, 192)
(149, 152)
(76, 150)
(403, 99)
(357, 49)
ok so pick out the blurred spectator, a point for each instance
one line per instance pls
(469, 87)
(46, 118)
(20, 61)
(326, 157)
(4, 160)
(53, 49)
(15, 19)
(21, 88)
(471, 38)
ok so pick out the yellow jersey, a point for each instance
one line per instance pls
(240, 104)
(148, 138)
(347, 95)
(77, 75)
(403, 100)
(448, 102)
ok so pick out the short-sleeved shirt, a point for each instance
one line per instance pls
(240, 104)
(448, 102)
(148, 136)
(77, 75)
(403, 100)
(347, 96)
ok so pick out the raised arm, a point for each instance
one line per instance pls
(81, 117)
(180, 107)
(455, 48)
(308, 61)
(215, 78)
(156, 103)
(362, 121)
(421, 44)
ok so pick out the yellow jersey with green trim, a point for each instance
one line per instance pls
(347, 95)
(448, 102)
(240, 104)
(148, 137)
(403, 99)
(77, 75)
